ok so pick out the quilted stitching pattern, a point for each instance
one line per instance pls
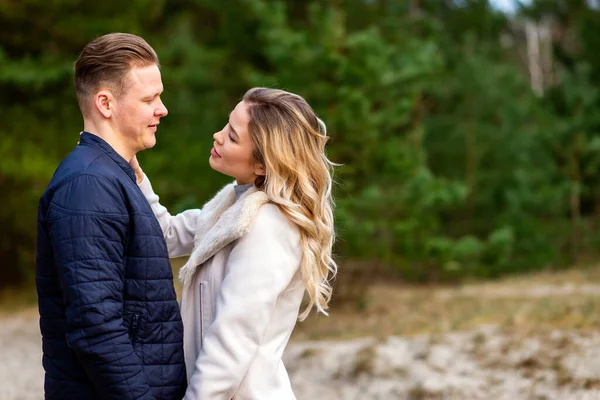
(110, 322)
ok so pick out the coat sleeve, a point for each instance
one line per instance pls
(179, 230)
(87, 223)
(260, 268)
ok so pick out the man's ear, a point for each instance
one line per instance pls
(103, 102)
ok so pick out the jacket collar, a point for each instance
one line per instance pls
(222, 221)
(91, 140)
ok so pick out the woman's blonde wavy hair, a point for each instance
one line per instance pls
(289, 141)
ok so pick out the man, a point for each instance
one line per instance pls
(110, 322)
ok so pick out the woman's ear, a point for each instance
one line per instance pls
(259, 170)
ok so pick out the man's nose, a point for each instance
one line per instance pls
(161, 111)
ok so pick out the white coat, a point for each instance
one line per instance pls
(241, 294)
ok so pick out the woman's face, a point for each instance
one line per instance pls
(233, 148)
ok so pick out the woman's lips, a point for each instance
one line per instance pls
(214, 153)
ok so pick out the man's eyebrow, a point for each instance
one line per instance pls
(152, 95)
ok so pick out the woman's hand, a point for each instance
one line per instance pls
(139, 174)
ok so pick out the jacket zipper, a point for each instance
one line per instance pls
(201, 314)
(135, 322)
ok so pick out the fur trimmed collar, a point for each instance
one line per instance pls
(221, 221)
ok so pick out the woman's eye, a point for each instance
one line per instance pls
(231, 138)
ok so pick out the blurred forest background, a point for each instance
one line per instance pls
(469, 138)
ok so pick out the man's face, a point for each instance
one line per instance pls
(137, 112)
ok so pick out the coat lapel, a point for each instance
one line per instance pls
(221, 221)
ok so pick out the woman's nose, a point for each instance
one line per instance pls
(217, 136)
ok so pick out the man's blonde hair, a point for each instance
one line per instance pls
(105, 61)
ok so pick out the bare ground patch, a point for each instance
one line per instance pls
(534, 337)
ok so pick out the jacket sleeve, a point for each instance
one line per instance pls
(260, 268)
(88, 224)
(179, 230)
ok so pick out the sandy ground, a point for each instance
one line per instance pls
(486, 363)
(482, 364)
(21, 373)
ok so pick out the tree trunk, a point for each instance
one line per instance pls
(575, 220)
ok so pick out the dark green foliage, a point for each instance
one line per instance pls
(451, 166)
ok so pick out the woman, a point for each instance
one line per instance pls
(256, 247)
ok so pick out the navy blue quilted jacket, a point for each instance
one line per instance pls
(110, 322)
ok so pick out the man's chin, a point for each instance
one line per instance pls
(149, 143)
